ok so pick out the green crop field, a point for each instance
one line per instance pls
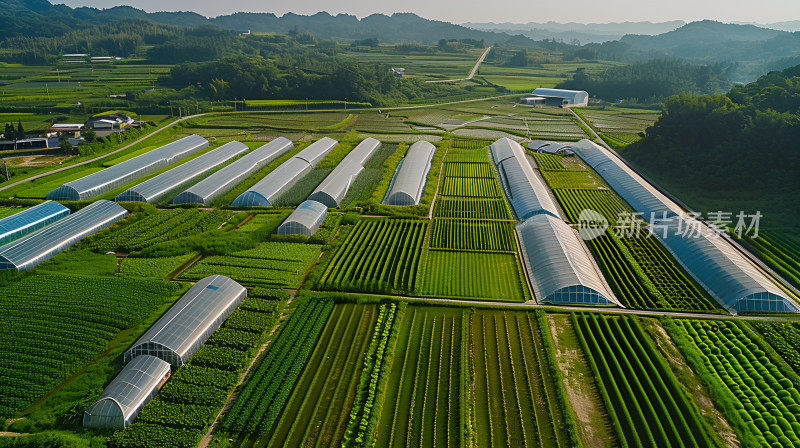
(605, 202)
(755, 389)
(272, 264)
(471, 209)
(424, 405)
(318, 410)
(475, 275)
(153, 267)
(646, 405)
(53, 325)
(39, 190)
(8, 211)
(377, 256)
(516, 400)
(481, 236)
(259, 404)
(780, 250)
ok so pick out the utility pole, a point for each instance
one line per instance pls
(7, 175)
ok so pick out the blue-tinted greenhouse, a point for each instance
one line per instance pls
(525, 191)
(28, 252)
(30, 220)
(305, 219)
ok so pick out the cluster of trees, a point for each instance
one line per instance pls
(737, 150)
(652, 81)
(12, 133)
(303, 76)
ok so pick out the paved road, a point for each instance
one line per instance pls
(471, 74)
(58, 170)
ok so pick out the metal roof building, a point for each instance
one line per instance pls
(525, 191)
(155, 188)
(127, 394)
(642, 197)
(560, 266)
(30, 220)
(334, 188)
(264, 193)
(409, 179)
(227, 178)
(128, 171)
(188, 324)
(305, 219)
(735, 282)
(28, 252)
(544, 147)
(560, 97)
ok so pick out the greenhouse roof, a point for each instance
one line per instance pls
(188, 324)
(128, 171)
(30, 220)
(733, 280)
(264, 193)
(409, 179)
(334, 188)
(127, 393)
(305, 219)
(642, 197)
(525, 191)
(28, 252)
(227, 178)
(559, 265)
(155, 188)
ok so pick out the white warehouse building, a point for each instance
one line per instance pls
(559, 97)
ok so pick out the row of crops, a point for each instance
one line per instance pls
(272, 264)
(260, 401)
(54, 325)
(378, 255)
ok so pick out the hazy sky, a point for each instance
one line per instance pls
(516, 11)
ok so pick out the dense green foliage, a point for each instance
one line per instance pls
(269, 386)
(53, 325)
(377, 256)
(424, 401)
(157, 227)
(756, 392)
(652, 80)
(272, 264)
(646, 404)
(730, 152)
(153, 267)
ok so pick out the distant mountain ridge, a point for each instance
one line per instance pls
(583, 32)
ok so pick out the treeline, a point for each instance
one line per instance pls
(651, 81)
(318, 77)
(737, 150)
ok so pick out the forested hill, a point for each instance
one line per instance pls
(40, 18)
(731, 152)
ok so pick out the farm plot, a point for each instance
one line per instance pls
(646, 405)
(784, 337)
(267, 389)
(318, 411)
(470, 187)
(423, 404)
(515, 395)
(619, 127)
(378, 255)
(573, 179)
(756, 392)
(380, 123)
(548, 162)
(272, 264)
(473, 275)
(153, 267)
(158, 227)
(466, 169)
(645, 276)
(472, 209)
(478, 236)
(605, 202)
(40, 189)
(263, 222)
(53, 325)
